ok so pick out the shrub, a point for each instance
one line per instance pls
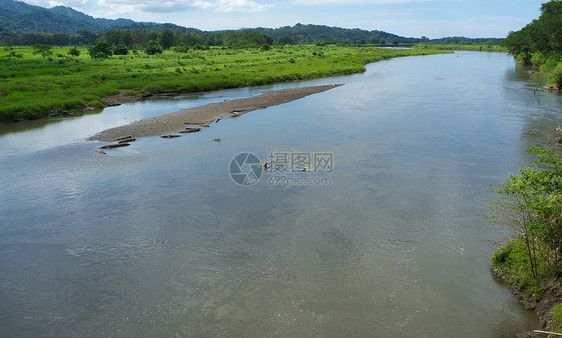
(44, 50)
(95, 104)
(512, 260)
(556, 79)
(557, 74)
(557, 311)
(74, 52)
(182, 48)
(200, 47)
(14, 54)
(102, 50)
(120, 50)
(152, 49)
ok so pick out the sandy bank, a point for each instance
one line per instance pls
(178, 121)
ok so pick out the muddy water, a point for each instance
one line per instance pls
(156, 239)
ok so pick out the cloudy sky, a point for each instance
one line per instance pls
(411, 18)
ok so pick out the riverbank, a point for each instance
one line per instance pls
(466, 47)
(543, 296)
(531, 263)
(544, 306)
(33, 87)
(194, 118)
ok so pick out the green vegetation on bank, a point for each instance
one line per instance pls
(540, 42)
(512, 262)
(531, 203)
(469, 47)
(36, 84)
(557, 311)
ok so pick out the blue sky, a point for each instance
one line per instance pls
(410, 18)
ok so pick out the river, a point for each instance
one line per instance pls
(381, 238)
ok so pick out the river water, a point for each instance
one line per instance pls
(381, 239)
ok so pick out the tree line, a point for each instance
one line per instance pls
(298, 34)
(539, 42)
(138, 39)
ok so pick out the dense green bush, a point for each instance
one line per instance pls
(512, 260)
(557, 312)
(153, 48)
(102, 50)
(120, 50)
(74, 51)
(182, 48)
(44, 50)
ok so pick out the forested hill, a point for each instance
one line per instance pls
(300, 33)
(19, 17)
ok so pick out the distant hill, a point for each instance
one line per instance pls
(17, 6)
(19, 17)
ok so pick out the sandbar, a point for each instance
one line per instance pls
(207, 114)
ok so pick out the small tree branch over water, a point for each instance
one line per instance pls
(531, 202)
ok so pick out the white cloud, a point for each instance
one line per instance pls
(119, 7)
(202, 4)
(240, 6)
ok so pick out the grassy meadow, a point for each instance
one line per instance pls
(32, 86)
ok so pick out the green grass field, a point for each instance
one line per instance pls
(33, 87)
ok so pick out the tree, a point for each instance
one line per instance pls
(140, 37)
(87, 37)
(166, 38)
(153, 48)
(519, 44)
(120, 50)
(74, 52)
(44, 50)
(191, 39)
(59, 39)
(543, 35)
(531, 202)
(551, 8)
(550, 27)
(102, 50)
(126, 39)
(111, 37)
(182, 48)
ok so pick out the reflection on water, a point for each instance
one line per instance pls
(156, 239)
